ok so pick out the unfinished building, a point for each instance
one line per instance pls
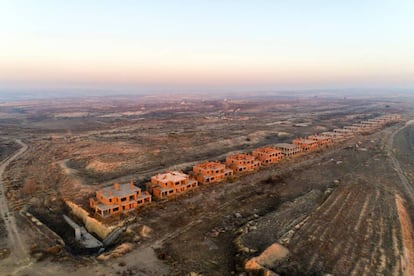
(211, 172)
(169, 184)
(242, 163)
(121, 198)
(380, 121)
(323, 141)
(267, 155)
(288, 150)
(346, 133)
(353, 128)
(362, 127)
(392, 117)
(118, 198)
(306, 144)
(335, 136)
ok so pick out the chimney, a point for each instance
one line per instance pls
(116, 186)
(131, 184)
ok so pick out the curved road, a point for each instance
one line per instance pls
(18, 250)
(409, 189)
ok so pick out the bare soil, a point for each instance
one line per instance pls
(334, 210)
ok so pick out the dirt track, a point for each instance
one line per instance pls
(408, 193)
(19, 255)
(406, 185)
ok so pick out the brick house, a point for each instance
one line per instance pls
(268, 155)
(242, 163)
(211, 172)
(168, 184)
(118, 198)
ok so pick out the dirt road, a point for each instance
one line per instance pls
(406, 224)
(409, 189)
(19, 254)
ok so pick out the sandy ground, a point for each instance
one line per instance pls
(351, 227)
(203, 237)
(359, 229)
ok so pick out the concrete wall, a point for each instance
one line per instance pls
(90, 223)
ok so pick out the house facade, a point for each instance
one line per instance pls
(335, 136)
(323, 141)
(211, 172)
(242, 163)
(168, 184)
(268, 155)
(306, 144)
(118, 198)
(288, 150)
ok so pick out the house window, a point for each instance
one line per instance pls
(123, 199)
(177, 183)
(110, 200)
(116, 209)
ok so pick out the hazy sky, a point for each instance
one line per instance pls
(207, 43)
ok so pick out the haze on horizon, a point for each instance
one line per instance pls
(206, 44)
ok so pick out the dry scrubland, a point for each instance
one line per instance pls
(335, 211)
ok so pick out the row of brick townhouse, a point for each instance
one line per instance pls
(125, 197)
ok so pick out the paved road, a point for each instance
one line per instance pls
(406, 185)
(18, 250)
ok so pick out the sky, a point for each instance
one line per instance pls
(230, 44)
